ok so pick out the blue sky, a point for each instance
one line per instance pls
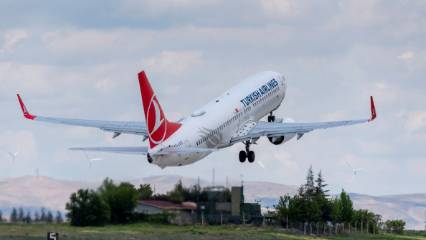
(81, 59)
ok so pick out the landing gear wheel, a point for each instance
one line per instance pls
(242, 156)
(149, 158)
(250, 156)
(271, 118)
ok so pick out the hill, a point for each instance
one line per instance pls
(410, 207)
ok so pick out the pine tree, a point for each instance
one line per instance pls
(59, 218)
(36, 217)
(14, 215)
(28, 218)
(49, 217)
(321, 197)
(320, 187)
(43, 215)
(20, 215)
(309, 186)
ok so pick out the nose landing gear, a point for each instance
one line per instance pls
(271, 117)
(247, 154)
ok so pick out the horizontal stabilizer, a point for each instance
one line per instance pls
(144, 150)
(125, 150)
(184, 150)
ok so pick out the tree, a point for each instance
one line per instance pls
(178, 193)
(43, 215)
(395, 226)
(342, 208)
(320, 186)
(346, 207)
(1, 216)
(283, 209)
(58, 217)
(49, 217)
(14, 215)
(336, 212)
(36, 217)
(27, 218)
(321, 195)
(87, 208)
(121, 199)
(145, 192)
(309, 188)
(20, 215)
(303, 207)
(366, 218)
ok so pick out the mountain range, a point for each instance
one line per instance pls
(30, 193)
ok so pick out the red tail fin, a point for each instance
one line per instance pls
(159, 128)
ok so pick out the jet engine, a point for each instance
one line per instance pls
(277, 140)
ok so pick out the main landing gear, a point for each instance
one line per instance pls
(247, 154)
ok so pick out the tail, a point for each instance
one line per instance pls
(159, 128)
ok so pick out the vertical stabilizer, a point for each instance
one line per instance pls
(159, 128)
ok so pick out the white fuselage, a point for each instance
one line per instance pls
(216, 123)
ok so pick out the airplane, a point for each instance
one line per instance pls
(233, 117)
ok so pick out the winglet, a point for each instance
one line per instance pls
(24, 109)
(373, 110)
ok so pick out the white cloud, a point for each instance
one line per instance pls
(280, 8)
(181, 9)
(12, 38)
(173, 62)
(24, 77)
(415, 121)
(84, 42)
(356, 14)
(284, 160)
(406, 56)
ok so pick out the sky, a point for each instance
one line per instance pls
(81, 59)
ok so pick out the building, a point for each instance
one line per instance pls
(224, 206)
(180, 214)
(214, 205)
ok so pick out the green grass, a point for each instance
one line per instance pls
(165, 232)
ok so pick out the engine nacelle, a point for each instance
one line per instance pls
(281, 139)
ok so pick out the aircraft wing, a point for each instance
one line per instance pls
(118, 127)
(274, 129)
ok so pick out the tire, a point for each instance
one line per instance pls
(251, 156)
(242, 156)
(271, 118)
(149, 158)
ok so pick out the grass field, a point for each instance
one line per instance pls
(160, 232)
